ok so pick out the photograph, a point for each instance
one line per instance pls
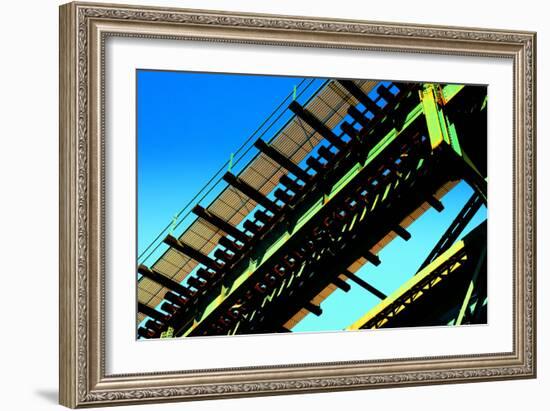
(256, 203)
(281, 204)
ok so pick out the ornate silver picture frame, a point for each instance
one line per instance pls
(85, 28)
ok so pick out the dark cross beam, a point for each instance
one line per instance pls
(359, 281)
(151, 312)
(230, 244)
(162, 280)
(358, 116)
(250, 192)
(262, 216)
(341, 284)
(191, 252)
(290, 184)
(315, 164)
(205, 274)
(317, 125)
(401, 232)
(282, 196)
(282, 160)
(219, 223)
(250, 226)
(196, 283)
(174, 299)
(223, 255)
(153, 325)
(314, 309)
(169, 308)
(372, 258)
(325, 153)
(385, 93)
(435, 203)
(356, 92)
(145, 333)
(350, 131)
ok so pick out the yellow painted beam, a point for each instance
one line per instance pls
(397, 294)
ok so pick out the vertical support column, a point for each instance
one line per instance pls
(442, 130)
(439, 128)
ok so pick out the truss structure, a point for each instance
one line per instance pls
(352, 169)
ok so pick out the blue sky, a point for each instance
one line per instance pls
(189, 124)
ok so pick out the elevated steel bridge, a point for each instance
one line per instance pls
(311, 216)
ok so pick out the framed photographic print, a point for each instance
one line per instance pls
(260, 204)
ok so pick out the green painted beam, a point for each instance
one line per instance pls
(426, 272)
(440, 130)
